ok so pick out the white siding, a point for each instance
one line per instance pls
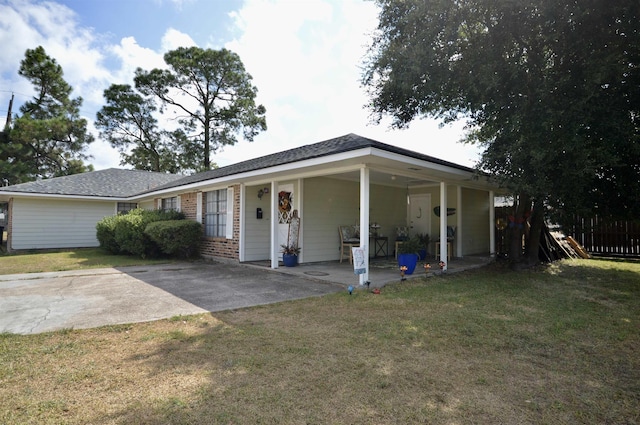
(328, 203)
(256, 239)
(147, 205)
(40, 224)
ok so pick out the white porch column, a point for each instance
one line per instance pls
(364, 220)
(492, 224)
(443, 224)
(301, 215)
(273, 216)
(241, 241)
(459, 228)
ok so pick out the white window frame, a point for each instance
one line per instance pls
(124, 209)
(173, 202)
(216, 222)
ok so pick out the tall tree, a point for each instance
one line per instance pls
(49, 137)
(212, 94)
(550, 89)
(128, 123)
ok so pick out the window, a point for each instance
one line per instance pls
(170, 204)
(125, 207)
(215, 220)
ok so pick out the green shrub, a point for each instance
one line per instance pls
(125, 233)
(105, 232)
(176, 238)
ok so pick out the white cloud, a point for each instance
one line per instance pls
(305, 59)
(172, 39)
(131, 56)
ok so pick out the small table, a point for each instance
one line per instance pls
(381, 245)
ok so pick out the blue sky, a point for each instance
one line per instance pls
(305, 57)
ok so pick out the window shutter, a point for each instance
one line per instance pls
(178, 203)
(229, 226)
(160, 203)
(199, 207)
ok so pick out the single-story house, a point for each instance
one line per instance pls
(246, 208)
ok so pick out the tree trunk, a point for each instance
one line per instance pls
(516, 226)
(533, 244)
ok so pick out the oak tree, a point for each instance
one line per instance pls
(550, 90)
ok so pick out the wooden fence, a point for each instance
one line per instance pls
(607, 237)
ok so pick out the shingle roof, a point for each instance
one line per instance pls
(119, 183)
(333, 146)
(112, 182)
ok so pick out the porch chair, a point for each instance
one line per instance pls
(349, 238)
(451, 236)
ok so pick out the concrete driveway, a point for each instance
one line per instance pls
(42, 302)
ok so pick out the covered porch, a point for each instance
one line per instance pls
(382, 271)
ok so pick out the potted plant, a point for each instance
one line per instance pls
(423, 239)
(290, 255)
(408, 254)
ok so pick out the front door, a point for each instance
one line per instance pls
(420, 214)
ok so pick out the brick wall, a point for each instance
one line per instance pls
(223, 247)
(188, 205)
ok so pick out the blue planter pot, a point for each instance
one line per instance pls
(290, 260)
(409, 260)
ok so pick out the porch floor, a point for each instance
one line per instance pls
(382, 271)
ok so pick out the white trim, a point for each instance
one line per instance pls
(229, 223)
(199, 207)
(8, 195)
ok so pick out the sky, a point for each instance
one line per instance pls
(305, 57)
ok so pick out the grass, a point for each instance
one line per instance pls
(554, 346)
(89, 258)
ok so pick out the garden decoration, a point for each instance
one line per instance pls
(427, 268)
(403, 269)
(442, 264)
(350, 289)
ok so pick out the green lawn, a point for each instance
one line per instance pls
(558, 345)
(89, 258)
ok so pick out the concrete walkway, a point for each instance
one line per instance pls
(42, 302)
